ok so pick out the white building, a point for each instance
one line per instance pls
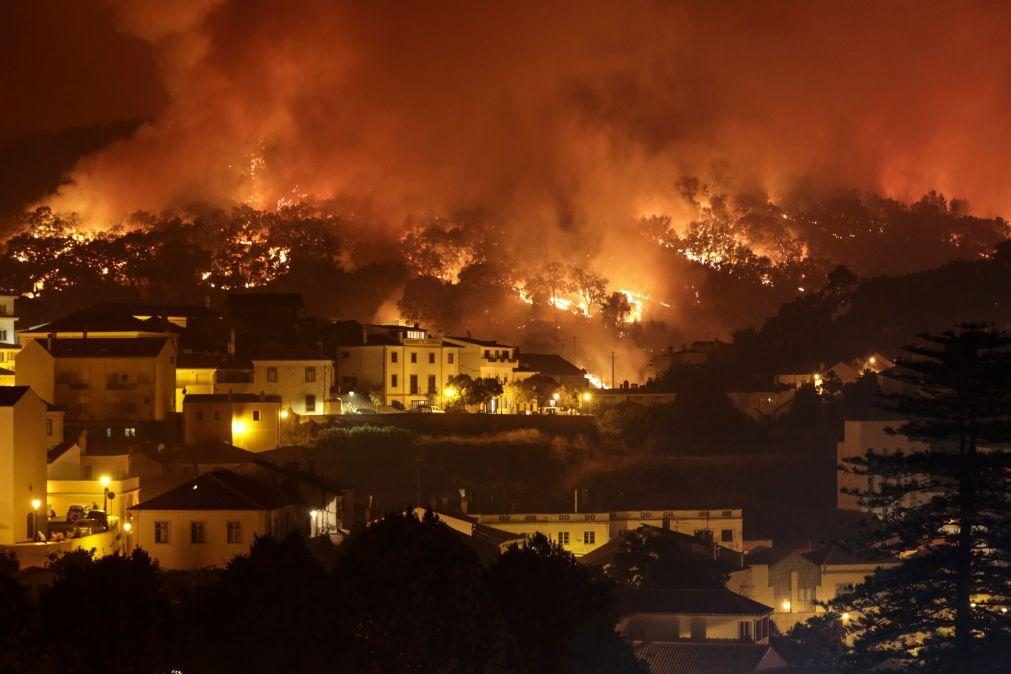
(211, 519)
(859, 437)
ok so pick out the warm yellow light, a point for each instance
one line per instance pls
(105, 480)
(556, 396)
(127, 527)
(238, 427)
(786, 604)
(450, 392)
(36, 504)
(846, 617)
(284, 414)
(587, 396)
(313, 513)
(972, 604)
(872, 360)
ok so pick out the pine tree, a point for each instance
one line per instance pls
(942, 512)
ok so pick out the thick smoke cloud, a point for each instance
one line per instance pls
(564, 118)
(563, 122)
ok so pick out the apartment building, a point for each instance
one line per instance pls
(584, 532)
(245, 420)
(302, 379)
(488, 359)
(9, 346)
(403, 365)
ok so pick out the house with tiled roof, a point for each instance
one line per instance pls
(667, 614)
(208, 520)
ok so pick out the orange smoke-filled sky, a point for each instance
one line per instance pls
(559, 116)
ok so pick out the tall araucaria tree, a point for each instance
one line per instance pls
(942, 511)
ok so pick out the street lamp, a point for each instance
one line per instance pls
(36, 504)
(786, 604)
(105, 480)
(127, 527)
(312, 519)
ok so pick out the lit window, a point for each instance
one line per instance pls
(197, 533)
(161, 532)
(130, 432)
(235, 532)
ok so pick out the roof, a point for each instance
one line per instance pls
(5, 372)
(482, 342)
(109, 347)
(59, 450)
(141, 309)
(10, 395)
(298, 475)
(84, 321)
(290, 353)
(606, 553)
(832, 554)
(549, 364)
(664, 657)
(688, 602)
(218, 490)
(210, 451)
(192, 398)
(766, 555)
(199, 360)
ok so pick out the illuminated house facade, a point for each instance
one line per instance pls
(211, 519)
(302, 381)
(402, 365)
(581, 533)
(793, 581)
(22, 464)
(9, 346)
(245, 420)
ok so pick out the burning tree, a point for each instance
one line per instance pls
(943, 511)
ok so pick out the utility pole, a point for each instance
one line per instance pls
(612, 369)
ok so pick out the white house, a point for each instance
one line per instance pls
(22, 464)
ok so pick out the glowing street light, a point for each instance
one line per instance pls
(105, 480)
(284, 414)
(36, 504)
(555, 396)
(846, 617)
(786, 604)
(238, 427)
(127, 527)
(587, 397)
(450, 393)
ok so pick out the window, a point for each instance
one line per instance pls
(450, 358)
(413, 381)
(704, 534)
(256, 415)
(563, 537)
(431, 357)
(161, 532)
(310, 375)
(197, 533)
(431, 383)
(310, 403)
(589, 537)
(272, 374)
(217, 415)
(744, 630)
(345, 354)
(235, 532)
(49, 427)
(200, 415)
(393, 381)
(414, 356)
(130, 432)
(3, 335)
(393, 356)
(727, 536)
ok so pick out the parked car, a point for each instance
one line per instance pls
(99, 517)
(76, 512)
